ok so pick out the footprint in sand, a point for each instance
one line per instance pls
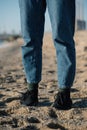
(1, 95)
(3, 113)
(33, 120)
(11, 99)
(2, 104)
(53, 125)
(74, 90)
(52, 113)
(11, 122)
(9, 79)
(85, 48)
(85, 81)
(30, 127)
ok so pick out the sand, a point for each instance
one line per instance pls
(15, 116)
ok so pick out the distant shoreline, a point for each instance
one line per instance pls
(4, 44)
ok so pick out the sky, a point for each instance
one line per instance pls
(10, 16)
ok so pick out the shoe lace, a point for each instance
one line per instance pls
(58, 98)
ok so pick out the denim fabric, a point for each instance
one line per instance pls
(62, 17)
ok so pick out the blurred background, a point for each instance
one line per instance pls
(10, 18)
(13, 82)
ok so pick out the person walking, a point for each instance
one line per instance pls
(62, 17)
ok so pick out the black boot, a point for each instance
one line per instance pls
(63, 100)
(30, 97)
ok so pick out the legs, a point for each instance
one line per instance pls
(62, 16)
(32, 24)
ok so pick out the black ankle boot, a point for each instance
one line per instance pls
(63, 100)
(30, 97)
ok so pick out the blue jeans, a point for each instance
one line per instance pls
(62, 17)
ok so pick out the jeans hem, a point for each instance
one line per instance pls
(65, 87)
(35, 82)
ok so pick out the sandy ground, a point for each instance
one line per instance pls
(15, 116)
